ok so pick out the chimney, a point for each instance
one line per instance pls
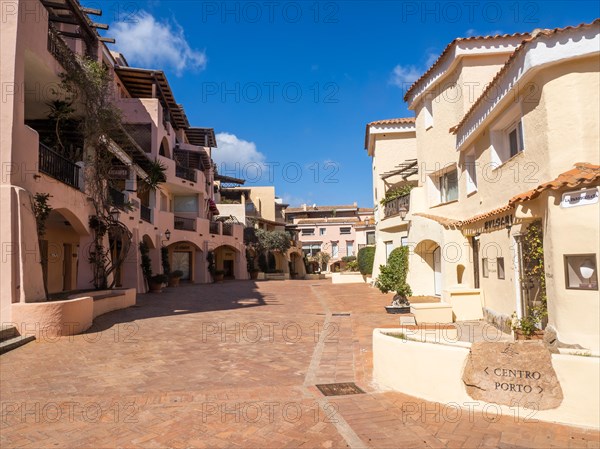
(304, 207)
(355, 204)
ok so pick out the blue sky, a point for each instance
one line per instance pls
(289, 86)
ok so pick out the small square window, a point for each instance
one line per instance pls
(581, 272)
(484, 268)
(322, 231)
(500, 267)
(515, 139)
(308, 231)
(345, 231)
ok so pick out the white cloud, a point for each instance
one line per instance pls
(471, 32)
(157, 45)
(294, 201)
(404, 75)
(233, 153)
(431, 58)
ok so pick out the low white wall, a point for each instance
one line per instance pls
(434, 372)
(347, 278)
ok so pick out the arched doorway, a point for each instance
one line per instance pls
(227, 260)
(59, 250)
(425, 269)
(186, 257)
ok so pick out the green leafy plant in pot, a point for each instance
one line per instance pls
(156, 282)
(175, 277)
(392, 278)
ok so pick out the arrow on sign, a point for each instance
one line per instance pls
(541, 389)
(485, 370)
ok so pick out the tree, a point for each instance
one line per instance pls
(322, 258)
(366, 260)
(392, 277)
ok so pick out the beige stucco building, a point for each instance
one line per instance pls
(153, 127)
(392, 145)
(507, 135)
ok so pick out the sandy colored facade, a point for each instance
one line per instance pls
(392, 145)
(507, 136)
(35, 51)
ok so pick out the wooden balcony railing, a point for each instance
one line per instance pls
(184, 223)
(185, 173)
(227, 228)
(146, 213)
(393, 207)
(58, 166)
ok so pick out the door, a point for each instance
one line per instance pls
(437, 271)
(228, 268)
(67, 266)
(182, 260)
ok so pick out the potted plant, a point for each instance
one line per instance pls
(528, 327)
(392, 278)
(174, 277)
(156, 282)
(219, 275)
(254, 273)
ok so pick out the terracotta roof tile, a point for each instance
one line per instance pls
(510, 60)
(450, 46)
(328, 220)
(584, 174)
(394, 121)
(389, 121)
(491, 213)
(320, 208)
(449, 222)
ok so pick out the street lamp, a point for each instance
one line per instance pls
(168, 235)
(115, 214)
(402, 210)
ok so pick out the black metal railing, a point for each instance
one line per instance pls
(215, 228)
(146, 213)
(185, 224)
(117, 197)
(58, 166)
(227, 228)
(394, 207)
(185, 173)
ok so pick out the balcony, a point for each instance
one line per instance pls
(215, 227)
(184, 224)
(185, 173)
(58, 167)
(393, 207)
(146, 213)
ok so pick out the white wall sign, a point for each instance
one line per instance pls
(579, 198)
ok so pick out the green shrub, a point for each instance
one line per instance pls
(392, 277)
(347, 259)
(352, 266)
(366, 260)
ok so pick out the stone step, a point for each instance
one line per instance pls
(7, 331)
(15, 342)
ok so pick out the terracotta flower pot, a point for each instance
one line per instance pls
(219, 277)
(174, 282)
(537, 335)
(254, 275)
(155, 287)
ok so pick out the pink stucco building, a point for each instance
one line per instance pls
(338, 230)
(41, 41)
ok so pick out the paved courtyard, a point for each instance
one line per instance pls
(235, 365)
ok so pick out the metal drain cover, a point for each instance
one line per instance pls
(339, 389)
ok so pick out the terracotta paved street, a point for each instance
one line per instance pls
(235, 365)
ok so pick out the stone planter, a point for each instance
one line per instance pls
(219, 277)
(396, 309)
(537, 335)
(254, 275)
